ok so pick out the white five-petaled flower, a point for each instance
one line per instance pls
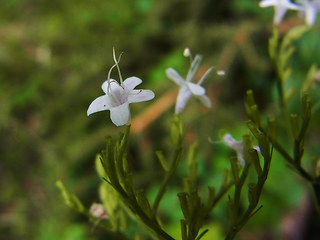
(310, 9)
(118, 96)
(280, 8)
(188, 88)
(237, 146)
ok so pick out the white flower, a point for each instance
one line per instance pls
(280, 8)
(310, 9)
(118, 97)
(97, 210)
(237, 146)
(187, 88)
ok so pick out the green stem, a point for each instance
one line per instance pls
(221, 193)
(133, 205)
(316, 191)
(293, 162)
(234, 229)
(240, 184)
(169, 174)
(281, 93)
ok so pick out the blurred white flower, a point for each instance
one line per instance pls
(221, 72)
(237, 146)
(97, 210)
(309, 10)
(118, 97)
(186, 87)
(280, 8)
(186, 52)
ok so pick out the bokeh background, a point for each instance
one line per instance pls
(54, 56)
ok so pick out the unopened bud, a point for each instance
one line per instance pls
(97, 210)
(186, 52)
(221, 72)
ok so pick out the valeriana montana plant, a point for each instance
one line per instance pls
(122, 203)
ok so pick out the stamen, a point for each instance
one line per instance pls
(117, 64)
(210, 140)
(205, 75)
(113, 66)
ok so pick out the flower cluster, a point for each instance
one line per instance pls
(308, 8)
(118, 96)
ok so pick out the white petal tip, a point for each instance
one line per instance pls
(186, 52)
(221, 72)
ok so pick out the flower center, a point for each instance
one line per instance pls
(118, 95)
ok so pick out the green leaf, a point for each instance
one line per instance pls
(183, 229)
(306, 107)
(143, 202)
(252, 194)
(295, 125)
(99, 167)
(255, 131)
(71, 199)
(211, 197)
(191, 161)
(235, 169)
(289, 93)
(273, 43)
(256, 162)
(264, 145)
(272, 127)
(185, 206)
(309, 79)
(176, 131)
(293, 35)
(163, 161)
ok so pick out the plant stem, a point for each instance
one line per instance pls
(169, 174)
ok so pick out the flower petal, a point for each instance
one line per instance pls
(268, 3)
(113, 84)
(196, 89)
(229, 140)
(120, 115)
(140, 96)
(130, 83)
(174, 76)
(99, 104)
(182, 99)
(205, 75)
(205, 100)
(311, 15)
(193, 68)
(280, 11)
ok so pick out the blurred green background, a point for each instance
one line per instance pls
(54, 55)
